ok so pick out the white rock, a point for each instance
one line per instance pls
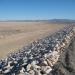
(26, 73)
(48, 70)
(49, 63)
(28, 67)
(6, 71)
(22, 70)
(44, 63)
(31, 72)
(34, 62)
(37, 72)
(21, 74)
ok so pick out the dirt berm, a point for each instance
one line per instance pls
(66, 62)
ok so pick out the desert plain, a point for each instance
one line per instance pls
(15, 35)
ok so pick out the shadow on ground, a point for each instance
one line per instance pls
(66, 63)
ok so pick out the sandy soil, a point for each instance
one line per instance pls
(15, 35)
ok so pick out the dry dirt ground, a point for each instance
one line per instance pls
(15, 35)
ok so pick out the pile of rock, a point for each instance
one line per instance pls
(39, 57)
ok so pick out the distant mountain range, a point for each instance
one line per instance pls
(67, 21)
(58, 21)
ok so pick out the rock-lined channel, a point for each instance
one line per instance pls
(38, 57)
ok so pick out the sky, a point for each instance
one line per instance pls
(37, 9)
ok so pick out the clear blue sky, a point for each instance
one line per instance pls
(37, 9)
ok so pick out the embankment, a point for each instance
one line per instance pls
(66, 62)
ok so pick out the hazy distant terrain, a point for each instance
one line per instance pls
(14, 35)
